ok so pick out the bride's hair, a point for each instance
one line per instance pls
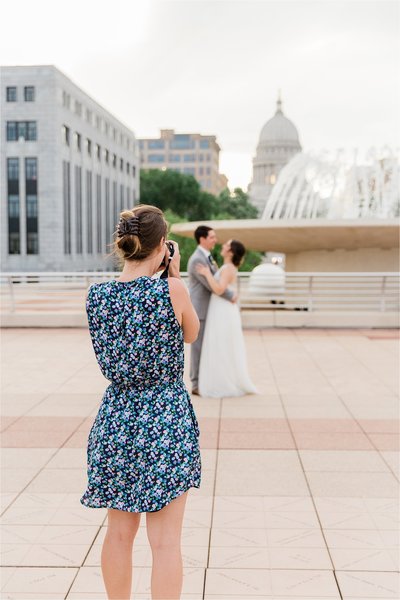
(238, 252)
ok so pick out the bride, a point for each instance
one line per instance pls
(223, 365)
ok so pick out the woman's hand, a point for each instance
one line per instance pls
(174, 265)
(202, 269)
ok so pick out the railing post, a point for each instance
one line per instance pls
(310, 291)
(383, 291)
(10, 283)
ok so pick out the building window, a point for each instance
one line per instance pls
(98, 152)
(98, 122)
(25, 129)
(67, 206)
(78, 141)
(31, 134)
(89, 146)
(88, 114)
(128, 196)
(204, 144)
(115, 203)
(208, 171)
(127, 168)
(65, 135)
(189, 170)
(31, 190)
(89, 220)
(11, 131)
(175, 158)
(201, 171)
(156, 158)
(114, 161)
(208, 157)
(13, 206)
(31, 169)
(156, 144)
(107, 210)
(98, 212)
(133, 171)
(189, 158)
(13, 169)
(121, 198)
(182, 142)
(106, 156)
(11, 94)
(66, 100)
(31, 206)
(121, 164)
(78, 205)
(201, 158)
(29, 93)
(78, 108)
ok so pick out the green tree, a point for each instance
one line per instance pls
(186, 245)
(170, 189)
(182, 199)
(235, 206)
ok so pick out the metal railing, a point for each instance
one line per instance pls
(314, 292)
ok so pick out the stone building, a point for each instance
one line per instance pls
(68, 168)
(188, 153)
(278, 143)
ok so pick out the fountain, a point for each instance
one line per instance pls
(326, 212)
(313, 187)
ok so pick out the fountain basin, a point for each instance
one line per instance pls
(315, 244)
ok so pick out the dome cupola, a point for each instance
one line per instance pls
(279, 129)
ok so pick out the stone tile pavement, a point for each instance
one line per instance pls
(299, 489)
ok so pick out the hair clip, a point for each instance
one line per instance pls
(129, 226)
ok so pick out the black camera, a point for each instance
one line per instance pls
(165, 263)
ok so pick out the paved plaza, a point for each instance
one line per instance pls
(299, 492)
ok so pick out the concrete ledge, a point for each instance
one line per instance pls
(287, 318)
(48, 319)
(250, 319)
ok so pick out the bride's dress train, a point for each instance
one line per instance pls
(223, 365)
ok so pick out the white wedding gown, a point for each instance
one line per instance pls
(223, 365)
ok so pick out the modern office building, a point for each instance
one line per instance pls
(278, 143)
(189, 153)
(68, 168)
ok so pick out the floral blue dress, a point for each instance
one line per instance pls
(143, 447)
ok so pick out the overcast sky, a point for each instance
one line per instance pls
(216, 67)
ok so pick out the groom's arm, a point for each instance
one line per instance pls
(227, 295)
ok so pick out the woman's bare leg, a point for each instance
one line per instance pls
(164, 529)
(116, 554)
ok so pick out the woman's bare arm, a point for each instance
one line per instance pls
(184, 310)
(227, 276)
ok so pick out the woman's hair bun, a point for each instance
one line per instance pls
(139, 232)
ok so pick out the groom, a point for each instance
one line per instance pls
(200, 293)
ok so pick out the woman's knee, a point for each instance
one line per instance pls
(122, 526)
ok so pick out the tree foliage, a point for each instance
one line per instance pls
(182, 199)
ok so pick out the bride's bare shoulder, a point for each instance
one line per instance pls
(230, 271)
(229, 268)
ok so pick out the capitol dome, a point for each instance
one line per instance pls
(279, 129)
(278, 143)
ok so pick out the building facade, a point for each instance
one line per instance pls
(278, 143)
(68, 168)
(188, 153)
